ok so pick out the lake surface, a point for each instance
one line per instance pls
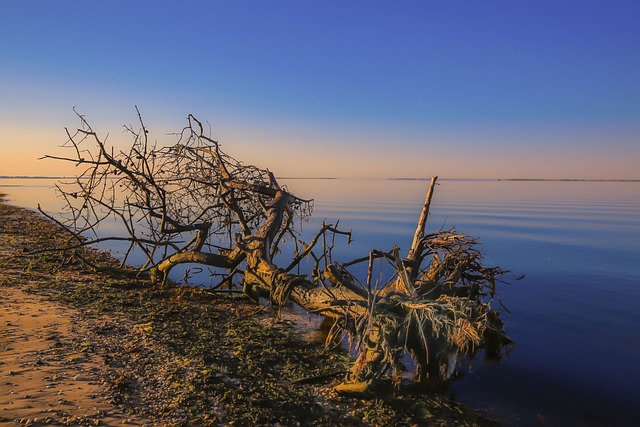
(575, 317)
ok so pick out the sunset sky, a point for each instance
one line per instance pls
(459, 89)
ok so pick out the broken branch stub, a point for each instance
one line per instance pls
(190, 202)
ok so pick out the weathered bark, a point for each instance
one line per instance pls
(192, 203)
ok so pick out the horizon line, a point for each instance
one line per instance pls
(387, 178)
(383, 178)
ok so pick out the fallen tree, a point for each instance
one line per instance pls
(192, 203)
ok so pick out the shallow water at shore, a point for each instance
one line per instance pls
(163, 355)
(573, 315)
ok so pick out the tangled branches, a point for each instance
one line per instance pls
(188, 202)
(438, 319)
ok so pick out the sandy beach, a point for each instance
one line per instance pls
(47, 374)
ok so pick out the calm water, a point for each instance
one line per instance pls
(575, 316)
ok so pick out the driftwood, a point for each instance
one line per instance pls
(192, 203)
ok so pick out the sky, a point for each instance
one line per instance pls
(459, 89)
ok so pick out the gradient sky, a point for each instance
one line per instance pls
(459, 89)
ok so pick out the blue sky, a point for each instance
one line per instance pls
(461, 89)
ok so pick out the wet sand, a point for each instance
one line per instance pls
(49, 373)
(47, 376)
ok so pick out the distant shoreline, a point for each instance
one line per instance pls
(33, 177)
(390, 179)
(519, 179)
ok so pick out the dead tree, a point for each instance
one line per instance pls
(192, 203)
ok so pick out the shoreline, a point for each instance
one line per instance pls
(83, 348)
